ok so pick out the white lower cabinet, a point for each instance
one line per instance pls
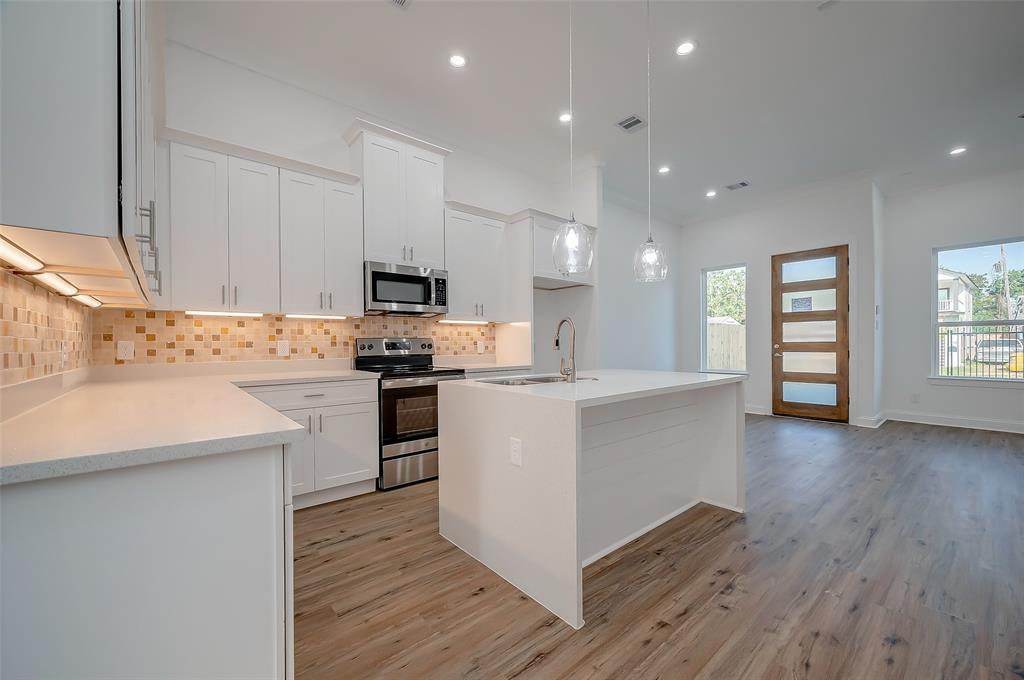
(339, 455)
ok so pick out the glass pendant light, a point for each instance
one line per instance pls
(649, 263)
(573, 246)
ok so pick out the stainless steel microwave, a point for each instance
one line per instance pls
(406, 291)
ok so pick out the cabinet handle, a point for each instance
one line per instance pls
(321, 299)
(330, 300)
(236, 295)
(321, 422)
(403, 253)
(309, 422)
(310, 396)
(481, 309)
(411, 256)
(223, 293)
(476, 309)
(150, 214)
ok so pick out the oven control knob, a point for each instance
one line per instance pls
(423, 345)
(430, 345)
(362, 345)
(370, 346)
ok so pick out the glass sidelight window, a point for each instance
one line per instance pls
(724, 319)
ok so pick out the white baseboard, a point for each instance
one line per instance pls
(758, 410)
(1016, 427)
(869, 421)
(308, 500)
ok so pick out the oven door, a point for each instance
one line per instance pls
(408, 414)
(393, 288)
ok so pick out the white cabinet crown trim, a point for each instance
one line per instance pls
(359, 126)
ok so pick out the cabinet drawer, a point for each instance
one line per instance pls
(310, 395)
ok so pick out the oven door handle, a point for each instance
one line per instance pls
(395, 383)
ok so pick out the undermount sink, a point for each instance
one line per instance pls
(530, 380)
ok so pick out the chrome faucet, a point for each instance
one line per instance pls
(570, 372)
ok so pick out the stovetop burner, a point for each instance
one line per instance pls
(399, 357)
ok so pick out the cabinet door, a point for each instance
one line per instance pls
(347, 448)
(343, 248)
(493, 264)
(253, 237)
(384, 200)
(424, 189)
(302, 452)
(199, 223)
(302, 244)
(543, 261)
(461, 254)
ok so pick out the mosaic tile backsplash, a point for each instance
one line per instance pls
(34, 323)
(176, 337)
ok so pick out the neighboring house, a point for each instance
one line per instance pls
(956, 296)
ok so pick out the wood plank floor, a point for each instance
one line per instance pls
(864, 554)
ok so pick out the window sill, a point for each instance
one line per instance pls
(722, 371)
(1004, 383)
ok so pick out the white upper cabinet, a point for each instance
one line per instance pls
(476, 267)
(321, 246)
(253, 236)
(343, 248)
(403, 196)
(302, 244)
(545, 276)
(384, 200)
(199, 224)
(424, 208)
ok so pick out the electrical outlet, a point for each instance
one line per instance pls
(63, 354)
(125, 350)
(515, 451)
(479, 346)
(282, 348)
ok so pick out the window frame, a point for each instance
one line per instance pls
(934, 377)
(704, 319)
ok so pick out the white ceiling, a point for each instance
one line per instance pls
(779, 94)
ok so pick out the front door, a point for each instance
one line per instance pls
(810, 334)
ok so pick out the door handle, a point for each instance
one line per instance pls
(775, 346)
(778, 354)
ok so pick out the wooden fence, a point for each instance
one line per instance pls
(726, 346)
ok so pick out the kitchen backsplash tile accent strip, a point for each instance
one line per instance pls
(176, 337)
(34, 324)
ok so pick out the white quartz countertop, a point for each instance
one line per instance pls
(480, 366)
(119, 423)
(610, 386)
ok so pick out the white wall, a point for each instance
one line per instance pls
(820, 215)
(636, 321)
(975, 211)
(214, 98)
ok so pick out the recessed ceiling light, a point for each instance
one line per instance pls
(686, 48)
(565, 117)
(457, 60)
(711, 193)
(957, 150)
(664, 170)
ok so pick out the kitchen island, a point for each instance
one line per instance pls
(539, 480)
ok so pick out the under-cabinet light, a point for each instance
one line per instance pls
(17, 257)
(255, 315)
(314, 316)
(55, 283)
(87, 300)
(469, 323)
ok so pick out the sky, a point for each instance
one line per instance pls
(979, 260)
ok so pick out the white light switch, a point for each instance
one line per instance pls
(282, 348)
(515, 451)
(125, 350)
(479, 346)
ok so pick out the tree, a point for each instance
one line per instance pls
(989, 304)
(726, 293)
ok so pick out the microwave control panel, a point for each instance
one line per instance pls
(440, 292)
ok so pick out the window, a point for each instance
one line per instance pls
(724, 319)
(979, 315)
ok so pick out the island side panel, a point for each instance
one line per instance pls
(519, 521)
(171, 570)
(722, 474)
(639, 467)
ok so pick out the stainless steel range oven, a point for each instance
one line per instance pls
(408, 405)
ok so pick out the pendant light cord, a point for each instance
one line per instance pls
(572, 122)
(650, 233)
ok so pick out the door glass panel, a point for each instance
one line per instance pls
(821, 394)
(809, 362)
(809, 301)
(809, 270)
(809, 331)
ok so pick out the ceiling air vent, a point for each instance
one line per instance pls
(737, 185)
(401, 4)
(631, 123)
